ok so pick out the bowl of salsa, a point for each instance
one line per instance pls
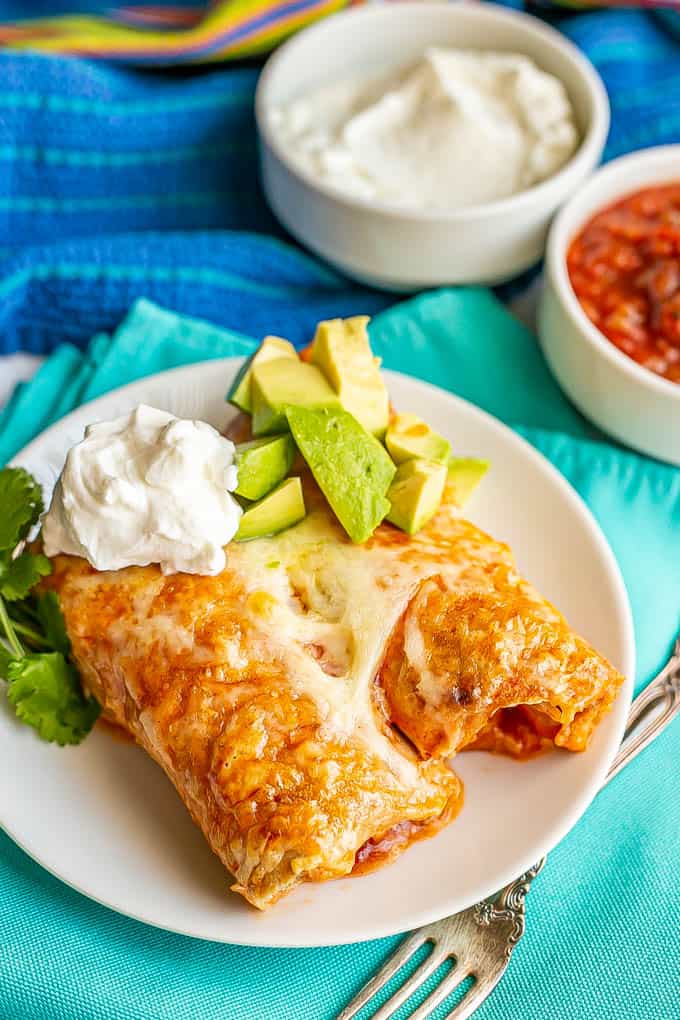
(624, 267)
(609, 315)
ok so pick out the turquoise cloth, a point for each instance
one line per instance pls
(603, 939)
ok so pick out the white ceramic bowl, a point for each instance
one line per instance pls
(630, 402)
(385, 245)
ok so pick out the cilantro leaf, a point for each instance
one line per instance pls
(21, 504)
(44, 687)
(5, 659)
(18, 576)
(44, 690)
(52, 621)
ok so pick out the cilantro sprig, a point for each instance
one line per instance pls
(44, 686)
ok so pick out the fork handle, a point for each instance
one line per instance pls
(659, 704)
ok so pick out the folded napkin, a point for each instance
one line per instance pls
(603, 939)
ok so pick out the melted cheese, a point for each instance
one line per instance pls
(328, 592)
(344, 605)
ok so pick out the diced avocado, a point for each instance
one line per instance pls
(415, 493)
(271, 347)
(283, 507)
(262, 463)
(350, 466)
(409, 436)
(279, 384)
(343, 353)
(464, 475)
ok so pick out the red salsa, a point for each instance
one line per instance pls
(624, 267)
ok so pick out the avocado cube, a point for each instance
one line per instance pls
(464, 475)
(279, 384)
(415, 494)
(262, 463)
(272, 347)
(343, 353)
(283, 507)
(351, 467)
(408, 436)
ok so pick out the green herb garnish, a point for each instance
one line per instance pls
(44, 687)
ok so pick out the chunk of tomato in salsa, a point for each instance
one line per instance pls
(624, 267)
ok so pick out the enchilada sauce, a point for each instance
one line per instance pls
(382, 849)
(624, 267)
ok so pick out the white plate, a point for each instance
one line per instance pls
(104, 819)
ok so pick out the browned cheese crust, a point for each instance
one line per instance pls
(276, 695)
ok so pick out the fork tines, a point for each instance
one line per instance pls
(439, 954)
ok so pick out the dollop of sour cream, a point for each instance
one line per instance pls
(459, 128)
(146, 488)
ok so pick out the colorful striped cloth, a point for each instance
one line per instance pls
(169, 34)
(197, 31)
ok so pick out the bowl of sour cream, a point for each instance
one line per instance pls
(423, 144)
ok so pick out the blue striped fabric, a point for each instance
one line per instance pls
(92, 151)
(87, 150)
(249, 282)
(640, 64)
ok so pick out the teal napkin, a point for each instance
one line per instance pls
(603, 939)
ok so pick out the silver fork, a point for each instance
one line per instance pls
(480, 940)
